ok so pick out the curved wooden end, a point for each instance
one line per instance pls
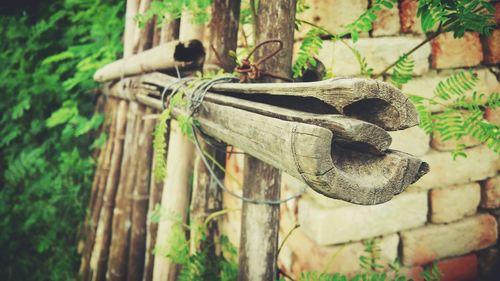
(350, 175)
(376, 102)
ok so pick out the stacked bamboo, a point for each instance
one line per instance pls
(117, 232)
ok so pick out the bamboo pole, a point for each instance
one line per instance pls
(128, 241)
(257, 261)
(179, 169)
(98, 188)
(207, 197)
(140, 197)
(118, 249)
(168, 32)
(143, 37)
(99, 258)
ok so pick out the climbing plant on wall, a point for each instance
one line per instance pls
(48, 55)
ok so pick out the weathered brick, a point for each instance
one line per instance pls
(349, 222)
(454, 202)
(490, 193)
(491, 46)
(333, 15)
(459, 269)
(480, 164)
(408, 14)
(431, 242)
(412, 140)
(492, 115)
(449, 145)
(342, 259)
(387, 22)
(449, 52)
(424, 86)
(379, 53)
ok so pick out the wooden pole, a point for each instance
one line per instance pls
(140, 198)
(259, 222)
(117, 263)
(207, 197)
(168, 32)
(180, 155)
(99, 258)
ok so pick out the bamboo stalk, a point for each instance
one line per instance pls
(144, 37)
(130, 27)
(98, 188)
(186, 54)
(140, 199)
(118, 249)
(168, 32)
(207, 197)
(179, 169)
(99, 258)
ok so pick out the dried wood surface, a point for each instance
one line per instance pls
(180, 157)
(99, 257)
(309, 153)
(140, 197)
(258, 261)
(206, 195)
(365, 99)
(186, 54)
(369, 100)
(353, 132)
(117, 263)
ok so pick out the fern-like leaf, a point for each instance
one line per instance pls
(310, 47)
(456, 85)
(160, 146)
(365, 22)
(403, 70)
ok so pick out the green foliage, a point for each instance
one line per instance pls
(432, 274)
(372, 270)
(310, 47)
(462, 116)
(49, 55)
(457, 16)
(199, 264)
(403, 70)
(160, 146)
(364, 23)
(167, 10)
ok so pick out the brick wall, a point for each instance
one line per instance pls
(451, 215)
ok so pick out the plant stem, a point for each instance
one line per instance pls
(428, 39)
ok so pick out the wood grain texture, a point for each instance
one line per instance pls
(368, 100)
(258, 261)
(180, 158)
(140, 198)
(99, 257)
(120, 231)
(309, 153)
(207, 196)
(186, 55)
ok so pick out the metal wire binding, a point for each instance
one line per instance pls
(196, 95)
